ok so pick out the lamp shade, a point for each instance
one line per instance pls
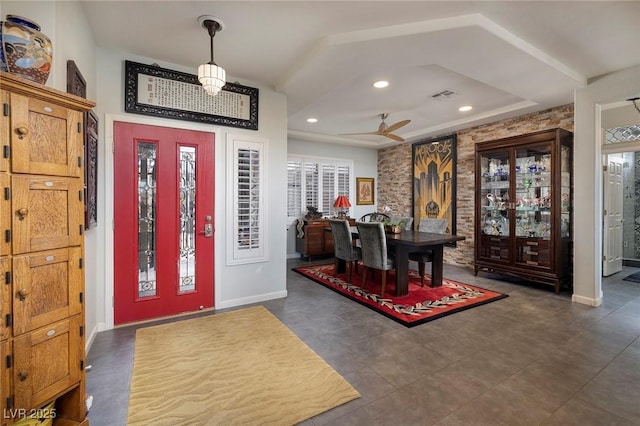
(342, 201)
(212, 77)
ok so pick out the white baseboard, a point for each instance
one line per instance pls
(92, 336)
(249, 300)
(586, 300)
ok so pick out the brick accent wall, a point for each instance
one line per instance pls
(395, 168)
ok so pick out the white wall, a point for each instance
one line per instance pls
(64, 23)
(365, 164)
(234, 285)
(611, 88)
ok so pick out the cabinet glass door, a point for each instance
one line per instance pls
(494, 206)
(565, 192)
(533, 219)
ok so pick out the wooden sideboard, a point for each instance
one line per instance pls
(316, 240)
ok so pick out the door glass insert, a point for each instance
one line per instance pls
(147, 219)
(533, 225)
(494, 192)
(187, 248)
(565, 192)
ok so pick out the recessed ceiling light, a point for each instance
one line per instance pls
(312, 120)
(465, 108)
(380, 84)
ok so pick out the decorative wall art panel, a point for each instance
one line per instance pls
(151, 90)
(434, 180)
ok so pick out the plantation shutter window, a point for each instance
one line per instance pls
(321, 183)
(246, 235)
(328, 188)
(294, 188)
(344, 181)
(312, 185)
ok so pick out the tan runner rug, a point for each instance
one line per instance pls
(241, 367)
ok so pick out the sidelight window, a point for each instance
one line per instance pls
(246, 235)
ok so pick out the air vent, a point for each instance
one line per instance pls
(445, 94)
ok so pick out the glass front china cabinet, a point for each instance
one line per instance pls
(523, 221)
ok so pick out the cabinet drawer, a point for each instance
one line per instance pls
(314, 246)
(5, 298)
(320, 223)
(46, 288)
(534, 252)
(48, 212)
(5, 215)
(45, 138)
(328, 242)
(47, 362)
(494, 248)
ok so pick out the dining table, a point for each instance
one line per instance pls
(407, 242)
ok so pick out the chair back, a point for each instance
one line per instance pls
(434, 226)
(408, 222)
(374, 217)
(342, 242)
(373, 243)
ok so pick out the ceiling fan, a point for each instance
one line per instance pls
(384, 130)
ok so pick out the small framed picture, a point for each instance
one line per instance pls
(364, 191)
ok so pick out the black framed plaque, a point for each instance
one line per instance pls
(90, 170)
(152, 90)
(77, 85)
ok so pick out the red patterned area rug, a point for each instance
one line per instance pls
(422, 304)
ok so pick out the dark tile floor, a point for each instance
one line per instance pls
(533, 358)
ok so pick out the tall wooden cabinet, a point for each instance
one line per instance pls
(523, 205)
(41, 252)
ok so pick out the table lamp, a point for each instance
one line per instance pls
(342, 203)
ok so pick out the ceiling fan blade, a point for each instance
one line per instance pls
(394, 137)
(365, 133)
(396, 126)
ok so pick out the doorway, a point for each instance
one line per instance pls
(631, 208)
(163, 214)
(621, 195)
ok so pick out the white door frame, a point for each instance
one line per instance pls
(619, 148)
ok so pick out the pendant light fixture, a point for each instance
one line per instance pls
(211, 76)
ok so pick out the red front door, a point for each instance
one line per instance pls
(163, 190)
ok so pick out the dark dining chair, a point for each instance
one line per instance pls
(374, 217)
(434, 226)
(373, 242)
(343, 247)
(407, 222)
